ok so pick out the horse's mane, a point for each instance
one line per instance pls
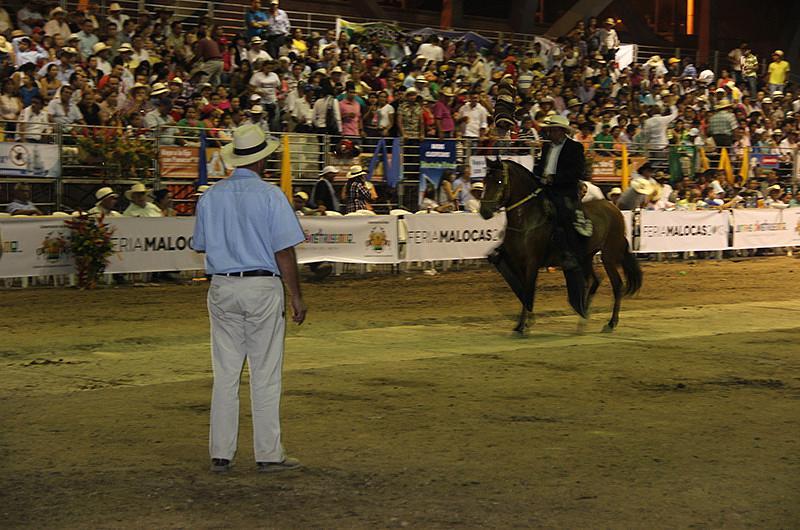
(535, 181)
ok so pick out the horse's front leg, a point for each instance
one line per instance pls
(532, 270)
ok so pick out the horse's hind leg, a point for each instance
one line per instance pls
(616, 287)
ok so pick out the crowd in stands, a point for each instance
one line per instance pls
(135, 71)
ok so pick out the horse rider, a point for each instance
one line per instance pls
(561, 168)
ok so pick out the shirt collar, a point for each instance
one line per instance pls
(241, 172)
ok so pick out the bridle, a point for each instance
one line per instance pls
(497, 204)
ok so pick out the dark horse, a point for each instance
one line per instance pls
(528, 242)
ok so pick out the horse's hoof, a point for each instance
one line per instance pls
(520, 333)
(608, 328)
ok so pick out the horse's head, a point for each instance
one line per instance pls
(495, 188)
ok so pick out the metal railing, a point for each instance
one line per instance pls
(92, 156)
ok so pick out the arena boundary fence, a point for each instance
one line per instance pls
(70, 162)
(34, 247)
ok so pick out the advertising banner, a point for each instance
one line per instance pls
(435, 156)
(452, 236)
(349, 239)
(766, 227)
(477, 164)
(149, 244)
(20, 159)
(34, 247)
(387, 32)
(683, 231)
(627, 216)
(179, 163)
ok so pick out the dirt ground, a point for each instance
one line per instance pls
(411, 404)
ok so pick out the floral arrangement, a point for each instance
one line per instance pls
(90, 243)
(115, 147)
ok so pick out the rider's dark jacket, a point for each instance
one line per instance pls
(569, 170)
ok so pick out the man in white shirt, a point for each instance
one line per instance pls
(385, 113)
(116, 15)
(609, 40)
(267, 84)
(34, 121)
(139, 206)
(255, 52)
(63, 109)
(474, 116)
(655, 127)
(431, 50)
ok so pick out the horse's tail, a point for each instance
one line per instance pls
(632, 270)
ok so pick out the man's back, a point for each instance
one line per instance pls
(242, 221)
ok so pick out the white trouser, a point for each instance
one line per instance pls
(247, 320)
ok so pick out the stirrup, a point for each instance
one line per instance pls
(583, 225)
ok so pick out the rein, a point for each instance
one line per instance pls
(524, 200)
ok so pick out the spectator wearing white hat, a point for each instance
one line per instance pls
(323, 193)
(358, 192)
(116, 15)
(106, 200)
(248, 231)
(139, 205)
(473, 204)
(57, 25)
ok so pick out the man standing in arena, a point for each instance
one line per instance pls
(248, 231)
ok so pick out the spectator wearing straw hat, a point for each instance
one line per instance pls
(57, 25)
(248, 231)
(116, 15)
(358, 194)
(609, 40)
(106, 200)
(722, 124)
(139, 205)
(777, 72)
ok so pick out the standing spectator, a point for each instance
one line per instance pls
(140, 206)
(442, 113)
(248, 232)
(386, 113)
(256, 20)
(34, 121)
(735, 57)
(371, 120)
(749, 69)
(209, 56)
(267, 84)
(655, 127)
(358, 193)
(323, 193)
(409, 116)
(474, 117)
(21, 203)
(722, 124)
(609, 40)
(431, 50)
(278, 29)
(350, 111)
(778, 72)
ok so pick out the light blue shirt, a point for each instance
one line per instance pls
(242, 222)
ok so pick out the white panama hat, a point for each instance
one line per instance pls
(102, 193)
(136, 188)
(249, 145)
(555, 120)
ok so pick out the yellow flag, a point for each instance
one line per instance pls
(626, 169)
(725, 165)
(705, 165)
(286, 168)
(744, 171)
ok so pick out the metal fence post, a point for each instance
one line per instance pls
(795, 170)
(60, 179)
(156, 166)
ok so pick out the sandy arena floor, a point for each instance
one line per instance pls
(412, 405)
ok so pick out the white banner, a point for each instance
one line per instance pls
(683, 231)
(20, 159)
(766, 227)
(34, 247)
(452, 236)
(354, 239)
(477, 164)
(627, 217)
(150, 244)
